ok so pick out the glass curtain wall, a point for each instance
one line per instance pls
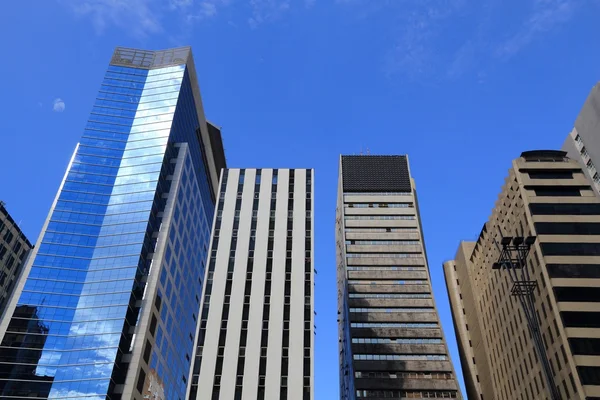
(71, 324)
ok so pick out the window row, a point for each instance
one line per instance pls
(381, 242)
(386, 282)
(396, 341)
(401, 394)
(393, 325)
(389, 295)
(384, 255)
(403, 374)
(383, 268)
(399, 357)
(379, 205)
(379, 217)
(393, 310)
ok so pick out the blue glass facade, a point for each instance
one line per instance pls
(72, 323)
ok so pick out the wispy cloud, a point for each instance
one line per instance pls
(448, 39)
(546, 15)
(140, 17)
(266, 11)
(58, 105)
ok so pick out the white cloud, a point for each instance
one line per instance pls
(267, 11)
(139, 17)
(58, 105)
(546, 15)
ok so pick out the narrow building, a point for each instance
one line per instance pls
(583, 142)
(390, 338)
(14, 246)
(547, 196)
(255, 332)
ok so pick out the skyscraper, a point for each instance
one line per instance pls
(390, 339)
(13, 249)
(583, 142)
(111, 292)
(546, 196)
(255, 337)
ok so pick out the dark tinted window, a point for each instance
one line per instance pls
(589, 375)
(551, 174)
(585, 346)
(573, 270)
(581, 319)
(591, 294)
(567, 228)
(557, 191)
(565, 209)
(570, 249)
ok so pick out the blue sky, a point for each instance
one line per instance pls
(461, 86)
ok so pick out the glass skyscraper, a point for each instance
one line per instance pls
(108, 301)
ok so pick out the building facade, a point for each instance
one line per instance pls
(13, 249)
(390, 338)
(583, 142)
(107, 304)
(255, 332)
(546, 195)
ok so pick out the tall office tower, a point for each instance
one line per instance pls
(583, 143)
(391, 342)
(107, 304)
(13, 249)
(546, 195)
(255, 337)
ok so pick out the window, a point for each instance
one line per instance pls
(584, 152)
(141, 381)
(585, 346)
(581, 319)
(570, 249)
(589, 375)
(565, 209)
(567, 228)
(557, 191)
(551, 174)
(573, 270)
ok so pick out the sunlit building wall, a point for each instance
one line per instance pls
(111, 293)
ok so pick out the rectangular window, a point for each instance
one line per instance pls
(550, 174)
(573, 270)
(565, 209)
(570, 249)
(585, 346)
(581, 319)
(567, 228)
(557, 191)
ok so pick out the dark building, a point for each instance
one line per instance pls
(390, 338)
(13, 249)
(116, 277)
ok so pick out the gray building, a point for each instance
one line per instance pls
(13, 249)
(390, 338)
(108, 300)
(583, 142)
(255, 332)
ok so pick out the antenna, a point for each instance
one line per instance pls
(368, 151)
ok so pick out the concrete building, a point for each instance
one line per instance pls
(390, 339)
(115, 280)
(13, 249)
(255, 331)
(546, 195)
(583, 142)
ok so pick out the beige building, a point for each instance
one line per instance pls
(548, 196)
